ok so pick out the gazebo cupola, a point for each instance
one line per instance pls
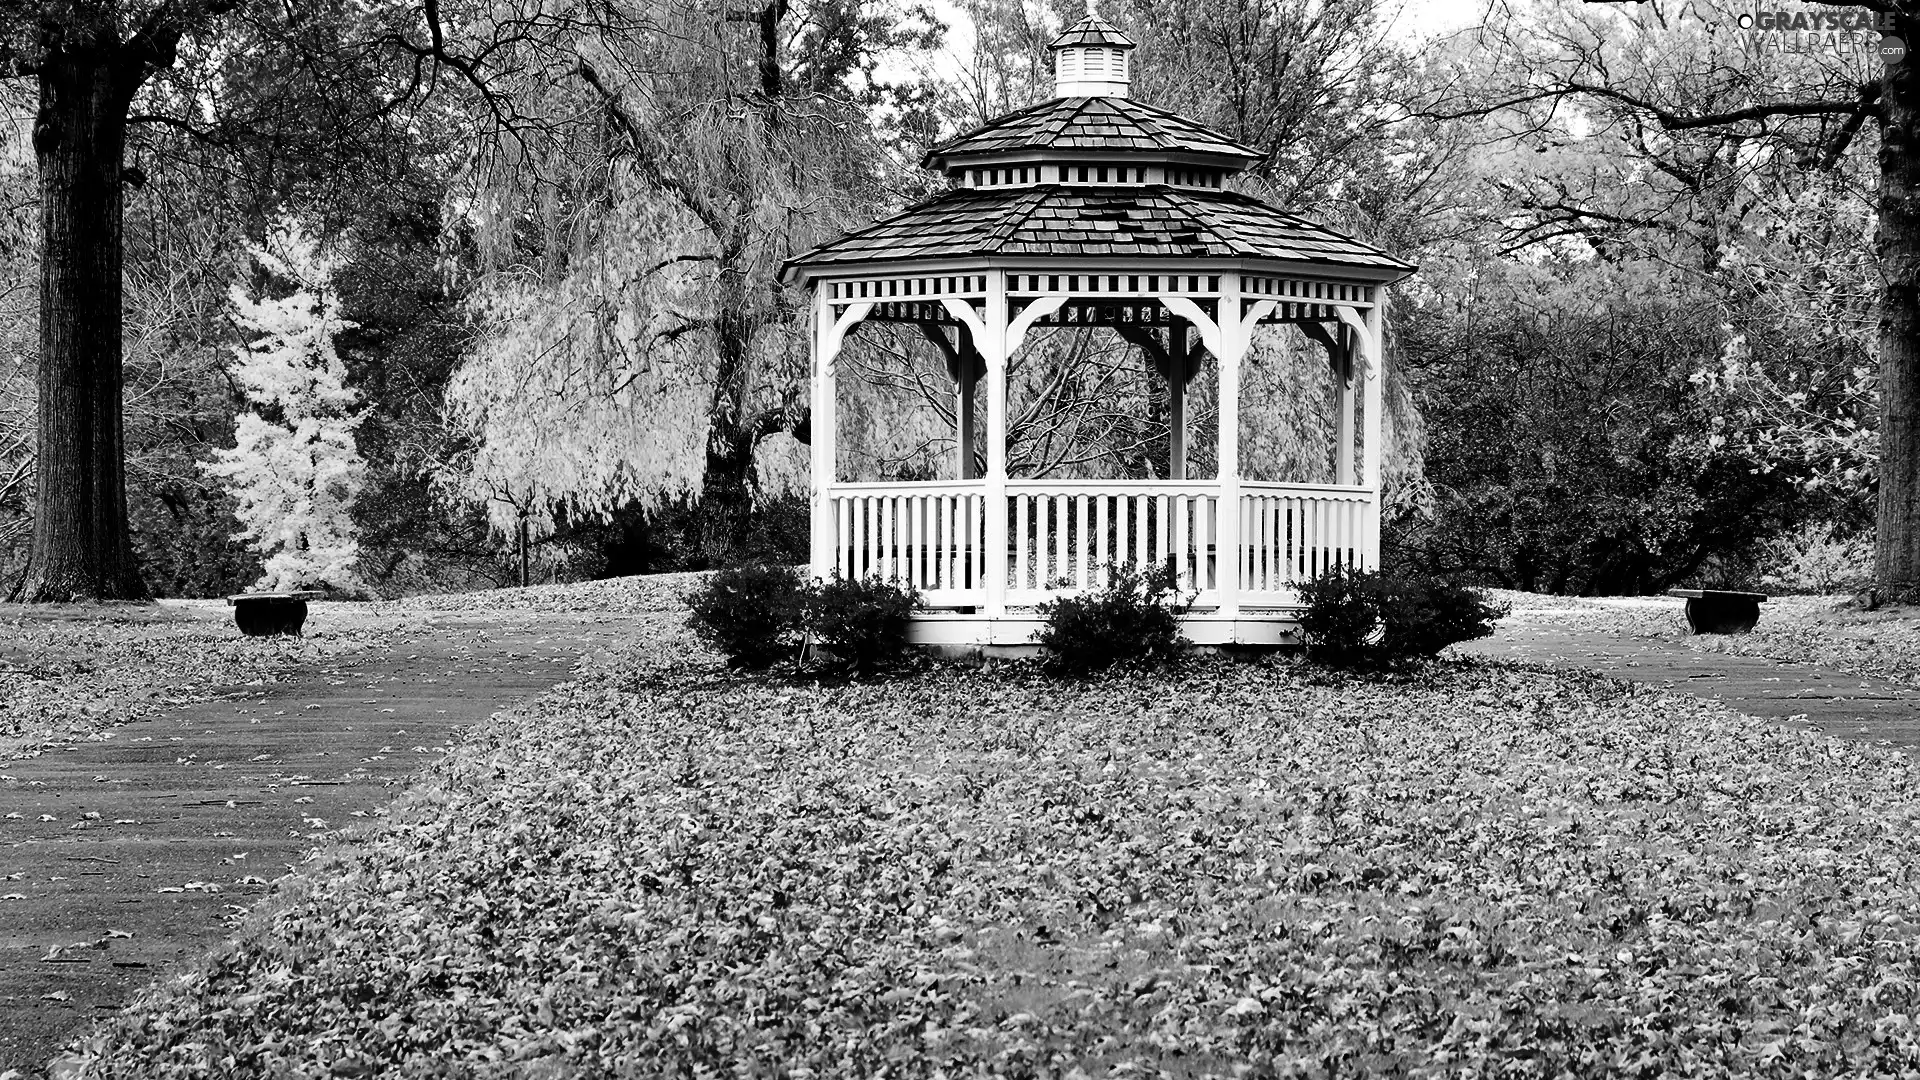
(1091, 59)
(1093, 209)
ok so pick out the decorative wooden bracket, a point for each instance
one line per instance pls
(1336, 353)
(1317, 331)
(963, 311)
(837, 333)
(1363, 337)
(1159, 353)
(1032, 313)
(1208, 329)
(1259, 310)
(959, 357)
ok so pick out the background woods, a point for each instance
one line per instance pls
(1652, 342)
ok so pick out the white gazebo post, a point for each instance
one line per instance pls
(967, 374)
(1375, 404)
(993, 349)
(821, 431)
(1341, 356)
(1179, 368)
(1234, 338)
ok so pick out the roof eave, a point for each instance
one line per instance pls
(1391, 271)
(1024, 155)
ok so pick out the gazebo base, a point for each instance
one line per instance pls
(1265, 629)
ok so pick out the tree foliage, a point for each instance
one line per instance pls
(635, 343)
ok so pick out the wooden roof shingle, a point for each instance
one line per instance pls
(1092, 124)
(1092, 30)
(1153, 222)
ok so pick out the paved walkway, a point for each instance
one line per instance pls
(1848, 706)
(123, 857)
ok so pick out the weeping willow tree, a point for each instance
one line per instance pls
(635, 344)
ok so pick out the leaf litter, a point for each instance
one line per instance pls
(663, 868)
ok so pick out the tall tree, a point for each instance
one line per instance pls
(1669, 74)
(636, 342)
(281, 100)
(89, 58)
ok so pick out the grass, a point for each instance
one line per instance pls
(665, 869)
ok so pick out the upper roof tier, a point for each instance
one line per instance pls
(1099, 129)
(1090, 178)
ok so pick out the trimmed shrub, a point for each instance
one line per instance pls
(750, 613)
(1356, 618)
(1340, 619)
(1135, 618)
(862, 622)
(1421, 616)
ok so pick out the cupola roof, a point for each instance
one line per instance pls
(1092, 30)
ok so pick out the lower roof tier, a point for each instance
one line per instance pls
(1152, 222)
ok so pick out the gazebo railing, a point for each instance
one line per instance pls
(1292, 532)
(1065, 535)
(924, 533)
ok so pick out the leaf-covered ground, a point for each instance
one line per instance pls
(653, 592)
(1824, 631)
(72, 672)
(663, 869)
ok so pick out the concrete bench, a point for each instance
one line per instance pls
(261, 613)
(1721, 611)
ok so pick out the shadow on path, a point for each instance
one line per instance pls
(1839, 704)
(122, 857)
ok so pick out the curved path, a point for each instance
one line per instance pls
(1837, 703)
(122, 857)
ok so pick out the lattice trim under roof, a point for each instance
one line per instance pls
(1153, 222)
(1093, 124)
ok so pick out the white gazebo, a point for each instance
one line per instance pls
(1096, 210)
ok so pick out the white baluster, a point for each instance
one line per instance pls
(1081, 572)
(1162, 529)
(976, 544)
(1182, 506)
(1141, 555)
(1023, 540)
(1060, 539)
(1103, 539)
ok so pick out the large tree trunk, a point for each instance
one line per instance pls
(726, 497)
(81, 545)
(726, 500)
(1896, 568)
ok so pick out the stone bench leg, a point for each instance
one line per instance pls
(1722, 615)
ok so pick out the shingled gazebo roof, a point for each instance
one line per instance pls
(1097, 124)
(1144, 222)
(1095, 175)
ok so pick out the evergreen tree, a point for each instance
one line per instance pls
(294, 468)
